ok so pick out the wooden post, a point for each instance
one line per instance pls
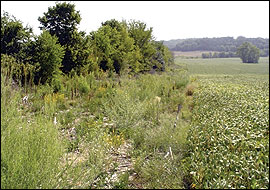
(178, 111)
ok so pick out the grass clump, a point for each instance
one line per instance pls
(30, 148)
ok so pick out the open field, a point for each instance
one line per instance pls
(229, 133)
(227, 66)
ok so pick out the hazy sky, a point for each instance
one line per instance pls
(169, 19)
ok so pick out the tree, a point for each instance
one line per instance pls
(144, 41)
(15, 45)
(226, 44)
(205, 55)
(77, 53)
(48, 53)
(62, 20)
(248, 53)
(14, 37)
(113, 47)
(163, 56)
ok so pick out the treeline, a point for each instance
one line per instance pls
(219, 54)
(223, 44)
(115, 48)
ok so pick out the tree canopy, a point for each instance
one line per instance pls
(14, 36)
(248, 53)
(61, 20)
(116, 46)
(48, 54)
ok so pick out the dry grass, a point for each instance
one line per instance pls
(190, 89)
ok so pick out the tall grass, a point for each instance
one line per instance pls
(144, 110)
(30, 148)
(36, 153)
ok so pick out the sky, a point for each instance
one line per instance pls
(169, 19)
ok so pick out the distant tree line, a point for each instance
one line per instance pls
(116, 47)
(248, 53)
(223, 44)
(219, 54)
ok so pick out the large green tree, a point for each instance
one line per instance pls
(144, 41)
(248, 53)
(62, 20)
(113, 47)
(48, 54)
(15, 38)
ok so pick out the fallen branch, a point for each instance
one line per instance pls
(169, 152)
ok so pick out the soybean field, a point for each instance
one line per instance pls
(229, 134)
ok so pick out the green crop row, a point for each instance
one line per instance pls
(229, 138)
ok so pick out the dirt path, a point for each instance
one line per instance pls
(121, 164)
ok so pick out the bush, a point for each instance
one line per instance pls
(249, 53)
(56, 85)
(83, 86)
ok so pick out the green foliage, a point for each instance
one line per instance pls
(48, 54)
(128, 47)
(83, 86)
(20, 72)
(136, 100)
(56, 84)
(248, 53)
(123, 182)
(57, 137)
(112, 46)
(10, 66)
(116, 47)
(223, 44)
(219, 55)
(143, 39)
(229, 142)
(61, 20)
(224, 66)
(14, 36)
(30, 147)
(160, 173)
(78, 54)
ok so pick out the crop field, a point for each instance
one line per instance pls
(229, 133)
(227, 66)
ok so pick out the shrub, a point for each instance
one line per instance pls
(83, 86)
(249, 53)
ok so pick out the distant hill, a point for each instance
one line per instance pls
(222, 44)
(172, 43)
